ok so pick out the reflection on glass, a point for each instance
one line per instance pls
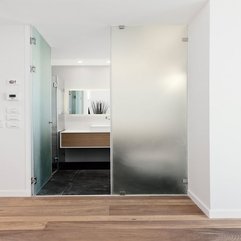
(149, 110)
(76, 102)
(89, 102)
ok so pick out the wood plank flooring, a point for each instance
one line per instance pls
(110, 219)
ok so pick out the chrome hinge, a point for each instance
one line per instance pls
(32, 69)
(33, 180)
(185, 39)
(55, 84)
(33, 41)
(122, 193)
(56, 158)
(185, 181)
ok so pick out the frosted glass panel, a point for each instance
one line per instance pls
(149, 110)
(41, 95)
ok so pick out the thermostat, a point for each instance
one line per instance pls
(12, 96)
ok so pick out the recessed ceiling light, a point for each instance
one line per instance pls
(80, 62)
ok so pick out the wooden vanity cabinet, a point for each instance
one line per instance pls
(85, 140)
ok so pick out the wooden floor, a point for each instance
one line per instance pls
(110, 219)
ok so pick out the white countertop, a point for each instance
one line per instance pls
(86, 131)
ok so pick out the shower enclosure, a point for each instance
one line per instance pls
(148, 110)
(148, 92)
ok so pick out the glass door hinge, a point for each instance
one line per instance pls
(32, 69)
(34, 180)
(185, 181)
(55, 84)
(33, 41)
(122, 193)
(56, 158)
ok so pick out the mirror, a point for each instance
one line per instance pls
(88, 102)
(76, 102)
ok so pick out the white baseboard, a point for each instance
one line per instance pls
(225, 213)
(215, 213)
(15, 193)
(199, 203)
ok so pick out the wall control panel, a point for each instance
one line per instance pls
(12, 82)
(13, 117)
(12, 110)
(10, 114)
(13, 96)
(12, 124)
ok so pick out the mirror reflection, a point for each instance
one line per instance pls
(76, 102)
(88, 102)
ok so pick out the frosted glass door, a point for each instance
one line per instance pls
(41, 102)
(149, 110)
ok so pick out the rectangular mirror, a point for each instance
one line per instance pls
(88, 102)
(76, 102)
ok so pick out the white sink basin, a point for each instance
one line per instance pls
(100, 128)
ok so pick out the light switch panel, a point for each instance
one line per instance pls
(13, 117)
(13, 96)
(12, 124)
(12, 110)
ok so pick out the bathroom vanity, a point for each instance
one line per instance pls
(84, 139)
(86, 134)
(87, 119)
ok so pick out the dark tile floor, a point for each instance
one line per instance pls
(78, 182)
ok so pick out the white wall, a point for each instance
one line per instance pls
(15, 155)
(198, 109)
(215, 109)
(225, 107)
(83, 77)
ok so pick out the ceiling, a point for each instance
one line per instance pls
(80, 29)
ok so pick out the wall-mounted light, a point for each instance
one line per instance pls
(80, 62)
(108, 61)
